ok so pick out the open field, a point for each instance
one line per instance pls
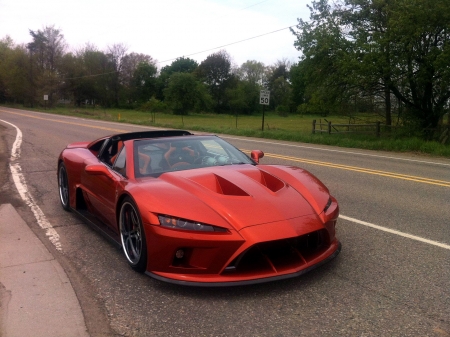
(292, 128)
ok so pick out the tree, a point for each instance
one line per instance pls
(322, 42)
(244, 97)
(180, 65)
(277, 81)
(143, 83)
(46, 51)
(86, 76)
(215, 71)
(252, 71)
(14, 71)
(281, 95)
(131, 62)
(55, 47)
(36, 50)
(298, 74)
(184, 93)
(116, 55)
(378, 47)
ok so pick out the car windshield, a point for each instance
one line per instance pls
(156, 156)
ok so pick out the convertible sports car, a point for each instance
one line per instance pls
(194, 210)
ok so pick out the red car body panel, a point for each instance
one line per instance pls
(264, 209)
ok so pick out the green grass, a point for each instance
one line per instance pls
(295, 128)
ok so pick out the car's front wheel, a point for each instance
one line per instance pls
(63, 187)
(132, 235)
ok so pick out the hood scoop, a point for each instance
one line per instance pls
(271, 182)
(219, 185)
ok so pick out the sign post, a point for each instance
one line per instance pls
(264, 99)
(45, 101)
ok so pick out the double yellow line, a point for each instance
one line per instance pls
(361, 170)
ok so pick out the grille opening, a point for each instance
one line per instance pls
(280, 255)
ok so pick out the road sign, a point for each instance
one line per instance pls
(264, 97)
(45, 97)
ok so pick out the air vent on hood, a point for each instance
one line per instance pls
(271, 182)
(219, 185)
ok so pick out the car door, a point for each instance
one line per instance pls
(103, 188)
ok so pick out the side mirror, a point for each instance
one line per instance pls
(97, 170)
(257, 155)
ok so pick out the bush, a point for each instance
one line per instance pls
(153, 105)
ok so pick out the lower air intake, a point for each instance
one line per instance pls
(278, 256)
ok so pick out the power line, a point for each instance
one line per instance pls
(95, 75)
(196, 53)
(230, 44)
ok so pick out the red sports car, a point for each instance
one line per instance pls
(194, 210)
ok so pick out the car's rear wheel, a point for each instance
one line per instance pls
(132, 235)
(63, 187)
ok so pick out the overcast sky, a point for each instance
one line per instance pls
(164, 29)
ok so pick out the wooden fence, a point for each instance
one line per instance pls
(374, 128)
(330, 128)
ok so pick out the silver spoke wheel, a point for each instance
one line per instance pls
(132, 236)
(63, 186)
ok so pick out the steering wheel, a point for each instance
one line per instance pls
(179, 155)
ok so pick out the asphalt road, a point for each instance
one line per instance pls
(382, 284)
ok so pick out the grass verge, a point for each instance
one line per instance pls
(295, 128)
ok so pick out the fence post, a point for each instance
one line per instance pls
(329, 128)
(314, 126)
(378, 129)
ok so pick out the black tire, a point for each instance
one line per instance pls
(63, 187)
(132, 235)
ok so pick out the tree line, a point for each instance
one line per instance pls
(118, 78)
(388, 57)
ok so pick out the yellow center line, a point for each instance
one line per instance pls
(361, 170)
(296, 159)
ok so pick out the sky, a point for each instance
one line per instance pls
(164, 29)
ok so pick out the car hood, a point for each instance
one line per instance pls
(242, 195)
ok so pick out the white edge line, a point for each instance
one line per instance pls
(393, 231)
(21, 185)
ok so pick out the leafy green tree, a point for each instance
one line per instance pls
(46, 51)
(277, 81)
(253, 72)
(180, 65)
(281, 95)
(244, 97)
(358, 48)
(184, 93)
(143, 83)
(325, 49)
(297, 75)
(86, 77)
(14, 71)
(215, 71)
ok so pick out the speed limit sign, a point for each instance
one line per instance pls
(264, 97)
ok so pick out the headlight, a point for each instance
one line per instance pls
(177, 223)
(330, 201)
